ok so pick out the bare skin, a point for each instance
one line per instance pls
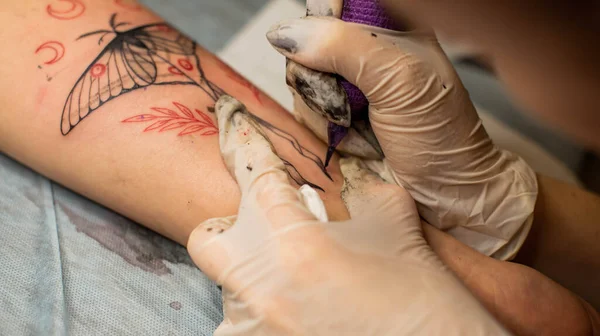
(563, 242)
(166, 182)
(526, 301)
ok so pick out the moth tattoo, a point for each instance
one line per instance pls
(152, 54)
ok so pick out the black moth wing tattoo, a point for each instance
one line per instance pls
(153, 54)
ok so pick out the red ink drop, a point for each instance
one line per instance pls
(76, 10)
(175, 71)
(58, 49)
(185, 64)
(98, 70)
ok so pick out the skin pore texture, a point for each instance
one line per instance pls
(117, 105)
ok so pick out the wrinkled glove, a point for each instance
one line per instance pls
(285, 270)
(434, 143)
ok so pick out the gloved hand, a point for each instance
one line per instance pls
(434, 143)
(285, 270)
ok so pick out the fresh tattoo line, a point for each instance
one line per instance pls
(261, 125)
(167, 119)
(155, 54)
(294, 143)
(297, 177)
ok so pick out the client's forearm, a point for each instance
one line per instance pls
(113, 103)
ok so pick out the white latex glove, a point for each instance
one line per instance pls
(433, 140)
(285, 272)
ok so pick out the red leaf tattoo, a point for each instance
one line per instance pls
(186, 111)
(204, 116)
(166, 119)
(156, 125)
(165, 111)
(191, 129)
(174, 126)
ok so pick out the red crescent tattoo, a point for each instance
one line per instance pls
(57, 47)
(76, 10)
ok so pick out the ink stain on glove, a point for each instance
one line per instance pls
(287, 44)
(236, 121)
(320, 92)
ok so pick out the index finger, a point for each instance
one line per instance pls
(261, 174)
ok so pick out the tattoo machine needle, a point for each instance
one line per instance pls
(368, 12)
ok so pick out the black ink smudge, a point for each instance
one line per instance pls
(285, 43)
(321, 92)
(328, 12)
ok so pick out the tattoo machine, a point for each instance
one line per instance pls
(368, 12)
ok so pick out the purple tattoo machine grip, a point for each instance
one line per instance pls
(367, 12)
(371, 13)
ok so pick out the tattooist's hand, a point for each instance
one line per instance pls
(285, 270)
(433, 140)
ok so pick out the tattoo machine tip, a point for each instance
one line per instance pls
(368, 12)
(336, 134)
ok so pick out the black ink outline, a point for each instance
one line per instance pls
(295, 144)
(141, 48)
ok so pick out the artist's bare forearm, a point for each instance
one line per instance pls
(564, 240)
(114, 103)
(524, 300)
(562, 246)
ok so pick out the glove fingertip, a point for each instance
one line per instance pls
(204, 248)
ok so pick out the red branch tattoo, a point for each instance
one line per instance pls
(167, 119)
(56, 47)
(76, 10)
